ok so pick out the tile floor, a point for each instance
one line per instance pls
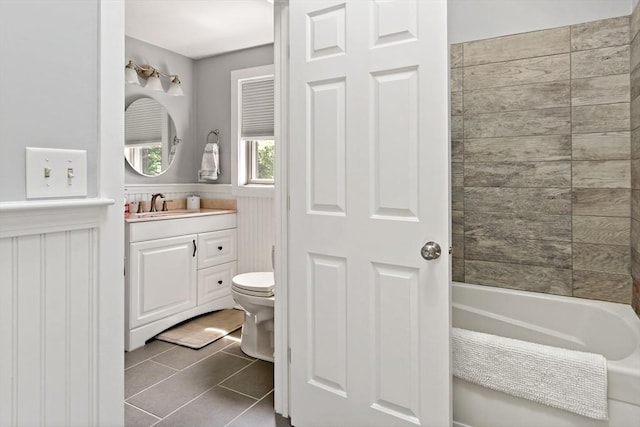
(218, 385)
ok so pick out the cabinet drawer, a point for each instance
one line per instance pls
(217, 247)
(215, 282)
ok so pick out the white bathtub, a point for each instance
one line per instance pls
(610, 329)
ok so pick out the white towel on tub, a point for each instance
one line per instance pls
(571, 380)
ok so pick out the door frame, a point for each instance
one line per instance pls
(111, 123)
(282, 356)
(110, 302)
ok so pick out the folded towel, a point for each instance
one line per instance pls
(210, 166)
(571, 380)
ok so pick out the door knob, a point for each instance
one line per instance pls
(431, 250)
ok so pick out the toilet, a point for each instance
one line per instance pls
(254, 292)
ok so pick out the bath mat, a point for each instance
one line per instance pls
(203, 330)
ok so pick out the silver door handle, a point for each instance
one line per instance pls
(431, 250)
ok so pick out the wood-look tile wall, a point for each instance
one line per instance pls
(541, 160)
(635, 157)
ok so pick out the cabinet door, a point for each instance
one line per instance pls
(162, 278)
(215, 282)
(216, 248)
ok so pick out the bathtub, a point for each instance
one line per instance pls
(610, 329)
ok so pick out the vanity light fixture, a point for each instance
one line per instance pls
(152, 76)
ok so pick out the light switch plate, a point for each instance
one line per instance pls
(53, 172)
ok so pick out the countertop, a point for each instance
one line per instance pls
(175, 214)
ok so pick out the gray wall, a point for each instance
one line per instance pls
(541, 161)
(49, 90)
(635, 156)
(181, 108)
(480, 19)
(206, 105)
(213, 99)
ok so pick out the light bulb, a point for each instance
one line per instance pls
(130, 74)
(175, 88)
(154, 83)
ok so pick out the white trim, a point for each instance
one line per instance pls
(50, 216)
(253, 72)
(108, 300)
(254, 190)
(6, 207)
(281, 111)
(179, 188)
(238, 169)
(224, 190)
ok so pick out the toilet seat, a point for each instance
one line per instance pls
(258, 284)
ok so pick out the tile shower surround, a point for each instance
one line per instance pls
(542, 170)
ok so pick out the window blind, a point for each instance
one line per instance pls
(144, 122)
(257, 108)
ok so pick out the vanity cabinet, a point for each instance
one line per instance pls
(175, 269)
(162, 278)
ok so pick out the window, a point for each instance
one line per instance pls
(260, 156)
(146, 158)
(252, 118)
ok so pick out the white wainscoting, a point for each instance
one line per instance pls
(49, 275)
(256, 218)
(256, 233)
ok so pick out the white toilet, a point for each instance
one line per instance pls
(254, 292)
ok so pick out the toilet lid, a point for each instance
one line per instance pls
(257, 284)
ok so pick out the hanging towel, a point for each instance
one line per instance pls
(210, 166)
(571, 380)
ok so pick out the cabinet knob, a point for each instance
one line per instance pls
(219, 248)
(219, 282)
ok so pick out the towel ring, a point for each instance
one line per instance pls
(215, 132)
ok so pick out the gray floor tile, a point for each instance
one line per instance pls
(216, 407)
(235, 349)
(261, 415)
(134, 417)
(169, 395)
(144, 375)
(180, 357)
(150, 350)
(255, 380)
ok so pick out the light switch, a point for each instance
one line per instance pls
(56, 173)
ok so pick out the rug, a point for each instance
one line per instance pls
(203, 330)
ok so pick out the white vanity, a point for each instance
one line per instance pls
(177, 265)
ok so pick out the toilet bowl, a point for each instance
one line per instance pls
(254, 293)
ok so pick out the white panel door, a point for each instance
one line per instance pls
(369, 162)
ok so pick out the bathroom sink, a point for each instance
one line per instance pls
(161, 213)
(177, 213)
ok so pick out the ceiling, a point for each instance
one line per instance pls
(200, 28)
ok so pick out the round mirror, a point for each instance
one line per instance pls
(150, 141)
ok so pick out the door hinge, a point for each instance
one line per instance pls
(289, 355)
(288, 202)
(288, 51)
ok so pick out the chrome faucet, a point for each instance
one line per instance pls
(153, 201)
